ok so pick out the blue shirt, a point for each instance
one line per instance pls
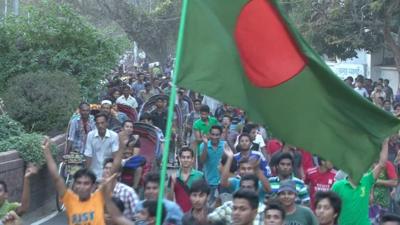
(259, 156)
(210, 166)
(174, 212)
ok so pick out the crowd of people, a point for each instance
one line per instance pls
(230, 170)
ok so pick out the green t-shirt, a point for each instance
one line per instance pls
(7, 207)
(302, 216)
(355, 201)
(204, 128)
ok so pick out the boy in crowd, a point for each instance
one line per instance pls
(199, 192)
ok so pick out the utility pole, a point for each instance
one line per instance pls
(5, 7)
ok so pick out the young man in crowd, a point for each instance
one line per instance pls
(295, 214)
(190, 119)
(184, 178)
(284, 170)
(228, 134)
(79, 128)
(113, 122)
(126, 98)
(274, 214)
(245, 207)
(257, 142)
(327, 207)
(82, 206)
(210, 155)
(246, 167)
(151, 190)
(101, 144)
(224, 212)
(159, 115)
(203, 125)
(199, 192)
(18, 208)
(355, 197)
(320, 178)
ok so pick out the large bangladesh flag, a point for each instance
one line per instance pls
(247, 54)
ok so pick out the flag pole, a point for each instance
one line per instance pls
(171, 104)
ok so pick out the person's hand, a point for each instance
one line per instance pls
(123, 138)
(228, 151)
(46, 144)
(204, 138)
(107, 184)
(12, 218)
(31, 170)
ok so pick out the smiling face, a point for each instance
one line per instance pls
(83, 187)
(287, 198)
(186, 159)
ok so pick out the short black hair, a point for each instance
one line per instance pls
(249, 127)
(390, 217)
(186, 149)
(152, 177)
(83, 104)
(85, 173)
(197, 100)
(275, 206)
(243, 160)
(127, 121)
(333, 198)
(4, 184)
(108, 160)
(100, 114)
(285, 155)
(119, 203)
(151, 206)
(205, 108)
(145, 116)
(200, 186)
(251, 177)
(147, 84)
(244, 134)
(234, 164)
(124, 87)
(250, 196)
(216, 127)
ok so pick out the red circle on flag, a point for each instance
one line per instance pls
(268, 53)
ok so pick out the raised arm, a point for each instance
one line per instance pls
(383, 157)
(53, 170)
(26, 190)
(204, 153)
(226, 168)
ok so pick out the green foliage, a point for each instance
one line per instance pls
(28, 147)
(52, 37)
(339, 28)
(42, 101)
(9, 127)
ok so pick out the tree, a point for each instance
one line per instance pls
(50, 36)
(152, 24)
(338, 28)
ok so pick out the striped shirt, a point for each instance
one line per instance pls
(259, 156)
(303, 196)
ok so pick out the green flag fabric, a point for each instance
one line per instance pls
(247, 54)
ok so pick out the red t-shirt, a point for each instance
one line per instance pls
(318, 181)
(391, 171)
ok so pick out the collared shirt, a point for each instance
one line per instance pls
(224, 212)
(302, 193)
(355, 200)
(99, 149)
(78, 131)
(130, 101)
(259, 156)
(129, 197)
(234, 185)
(210, 166)
(204, 128)
(181, 188)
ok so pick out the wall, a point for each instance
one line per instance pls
(12, 172)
